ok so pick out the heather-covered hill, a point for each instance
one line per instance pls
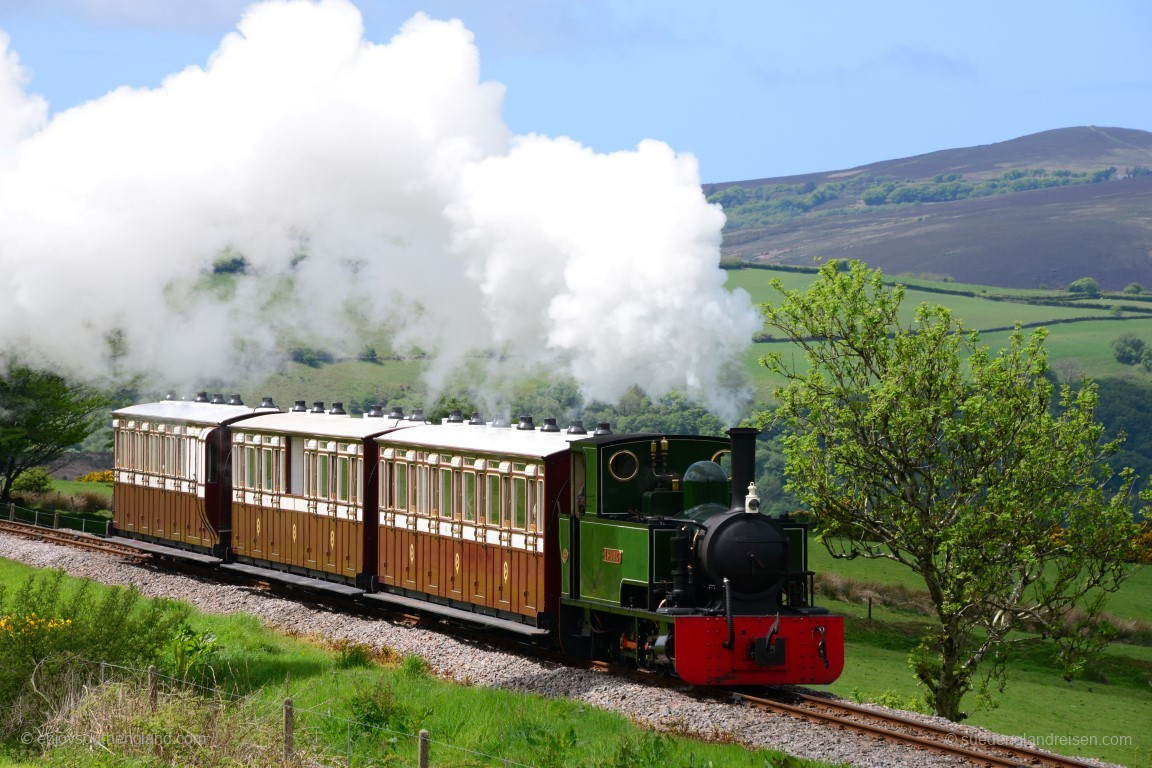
(1041, 210)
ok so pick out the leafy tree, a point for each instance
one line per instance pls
(919, 445)
(1085, 285)
(41, 416)
(1128, 348)
(1134, 289)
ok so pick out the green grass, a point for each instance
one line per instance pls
(1109, 703)
(75, 486)
(361, 706)
(1114, 695)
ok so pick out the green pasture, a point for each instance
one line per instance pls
(347, 382)
(1108, 706)
(1104, 705)
(75, 486)
(975, 312)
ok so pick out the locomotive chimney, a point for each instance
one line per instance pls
(743, 462)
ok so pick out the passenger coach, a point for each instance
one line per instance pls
(172, 470)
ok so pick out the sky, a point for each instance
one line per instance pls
(751, 88)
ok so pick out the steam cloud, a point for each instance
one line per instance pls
(363, 184)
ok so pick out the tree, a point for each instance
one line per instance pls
(1085, 285)
(919, 445)
(41, 416)
(1128, 348)
(1134, 289)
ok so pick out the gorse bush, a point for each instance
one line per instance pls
(46, 634)
(34, 480)
(100, 476)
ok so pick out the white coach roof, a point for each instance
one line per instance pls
(187, 412)
(320, 425)
(482, 439)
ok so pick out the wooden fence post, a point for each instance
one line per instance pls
(153, 684)
(422, 760)
(288, 750)
(11, 511)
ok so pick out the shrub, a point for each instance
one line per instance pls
(1086, 286)
(34, 480)
(100, 476)
(47, 635)
(1128, 348)
(1142, 545)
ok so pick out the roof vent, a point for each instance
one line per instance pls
(603, 428)
(202, 397)
(477, 420)
(577, 427)
(500, 421)
(338, 409)
(217, 399)
(526, 423)
(267, 402)
(170, 396)
(550, 425)
(317, 406)
(456, 417)
(417, 415)
(375, 412)
(299, 407)
(234, 399)
(397, 413)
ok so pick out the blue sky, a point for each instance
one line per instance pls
(753, 89)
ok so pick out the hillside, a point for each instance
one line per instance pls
(1037, 211)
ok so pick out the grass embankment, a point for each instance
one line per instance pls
(1104, 714)
(351, 703)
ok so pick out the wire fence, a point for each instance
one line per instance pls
(57, 519)
(133, 703)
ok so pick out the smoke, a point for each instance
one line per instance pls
(363, 184)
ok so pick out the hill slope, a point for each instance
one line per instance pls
(1098, 223)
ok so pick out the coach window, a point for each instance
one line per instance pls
(423, 504)
(269, 475)
(535, 504)
(343, 477)
(249, 480)
(469, 496)
(322, 476)
(445, 499)
(519, 503)
(493, 499)
(400, 497)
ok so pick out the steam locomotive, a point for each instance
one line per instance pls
(637, 549)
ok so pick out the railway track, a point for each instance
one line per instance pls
(69, 538)
(986, 749)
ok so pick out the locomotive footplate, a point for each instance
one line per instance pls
(768, 650)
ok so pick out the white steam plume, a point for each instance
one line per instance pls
(349, 173)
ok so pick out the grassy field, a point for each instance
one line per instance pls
(75, 486)
(1077, 348)
(366, 707)
(1105, 705)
